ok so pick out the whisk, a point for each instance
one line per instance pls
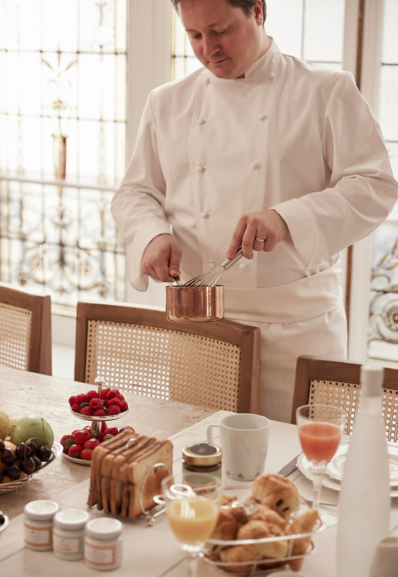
(211, 278)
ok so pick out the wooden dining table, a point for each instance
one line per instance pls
(149, 551)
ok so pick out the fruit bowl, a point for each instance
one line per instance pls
(100, 419)
(56, 450)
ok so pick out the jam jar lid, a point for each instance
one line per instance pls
(202, 454)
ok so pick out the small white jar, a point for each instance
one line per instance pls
(68, 540)
(103, 543)
(38, 524)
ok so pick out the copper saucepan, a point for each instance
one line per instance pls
(194, 304)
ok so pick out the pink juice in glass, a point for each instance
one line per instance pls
(319, 441)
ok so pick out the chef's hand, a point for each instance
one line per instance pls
(161, 258)
(266, 225)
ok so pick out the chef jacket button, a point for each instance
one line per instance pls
(207, 80)
(272, 76)
(201, 168)
(205, 214)
(242, 265)
(255, 165)
(212, 265)
(201, 121)
(263, 117)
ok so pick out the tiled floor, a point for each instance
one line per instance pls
(63, 361)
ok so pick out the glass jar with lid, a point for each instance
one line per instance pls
(68, 541)
(103, 543)
(38, 524)
(199, 459)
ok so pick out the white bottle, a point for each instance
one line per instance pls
(364, 502)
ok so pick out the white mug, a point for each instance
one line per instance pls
(385, 558)
(244, 441)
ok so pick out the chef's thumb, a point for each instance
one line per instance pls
(175, 259)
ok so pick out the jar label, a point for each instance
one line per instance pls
(37, 536)
(66, 545)
(100, 555)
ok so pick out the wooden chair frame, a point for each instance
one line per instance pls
(244, 336)
(40, 332)
(314, 369)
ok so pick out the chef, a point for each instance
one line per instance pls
(263, 150)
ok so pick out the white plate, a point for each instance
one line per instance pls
(336, 467)
(305, 468)
(77, 461)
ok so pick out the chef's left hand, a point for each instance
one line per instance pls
(266, 225)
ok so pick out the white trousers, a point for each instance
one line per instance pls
(323, 336)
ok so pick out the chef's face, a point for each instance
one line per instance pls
(225, 39)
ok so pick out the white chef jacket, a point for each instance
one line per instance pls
(290, 136)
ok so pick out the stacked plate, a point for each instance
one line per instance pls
(335, 469)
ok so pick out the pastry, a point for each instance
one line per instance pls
(262, 530)
(278, 493)
(304, 523)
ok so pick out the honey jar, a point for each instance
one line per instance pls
(199, 459)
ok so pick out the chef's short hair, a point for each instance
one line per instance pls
(246, 5)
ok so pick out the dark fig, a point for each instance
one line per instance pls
(44, 453)
(37, 462)
(2, 444)
(32, 445)
(8, 456)
(28, 466)
(23, 451)
(13, 472)
(1, 475)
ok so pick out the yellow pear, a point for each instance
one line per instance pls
(5, 425)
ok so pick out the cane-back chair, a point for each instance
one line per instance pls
(25, 331)
(338, 383)
(215, 364)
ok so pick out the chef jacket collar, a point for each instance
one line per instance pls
(265, 64)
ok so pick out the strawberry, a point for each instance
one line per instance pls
(87, 454)
(96, 404)
(81, 437)
(91, 444)
(81, 399)
(75, 451)
(76, 408)
(127, 427)
(92, 395)
(86, 411)
(72, 401)
(118, 394)
(114, 401)
(112, 431)
(67, 441)
(104, 393)
(113, 410)
(124, 406)
(112, 394)
(99, 413)
(121, 398)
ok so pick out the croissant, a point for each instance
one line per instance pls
(304, 523)
(261, 530)
(278, 493)
(238, 554)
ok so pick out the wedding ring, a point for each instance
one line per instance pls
(260, 239)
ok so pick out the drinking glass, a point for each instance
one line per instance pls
(320, 429)
(192, 513)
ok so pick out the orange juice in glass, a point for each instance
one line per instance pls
(320, 429)
(192, 514)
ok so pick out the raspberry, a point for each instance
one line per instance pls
(75, 451)
(104, 393)
(114, 401)
(96, 404)
(87, 454)
(76, 408)
(113, 410)
(92, 395)
(124, 406)
(111, 395)
(91, 444)
(99, 413)
(112, 431)
(67, 441)
(81, 399)
(86, 411)
(81, 437)
(72, 401)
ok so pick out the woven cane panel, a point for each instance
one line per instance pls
(346, 396)
(15, 324)
(164, 364)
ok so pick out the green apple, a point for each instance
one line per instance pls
(4, 425)
(35, 428)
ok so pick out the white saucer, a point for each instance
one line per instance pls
(77, 461)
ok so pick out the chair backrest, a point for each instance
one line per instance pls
(214, 364)
(25, 331)
(338, 383)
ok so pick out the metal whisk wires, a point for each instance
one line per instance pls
(211, 278)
